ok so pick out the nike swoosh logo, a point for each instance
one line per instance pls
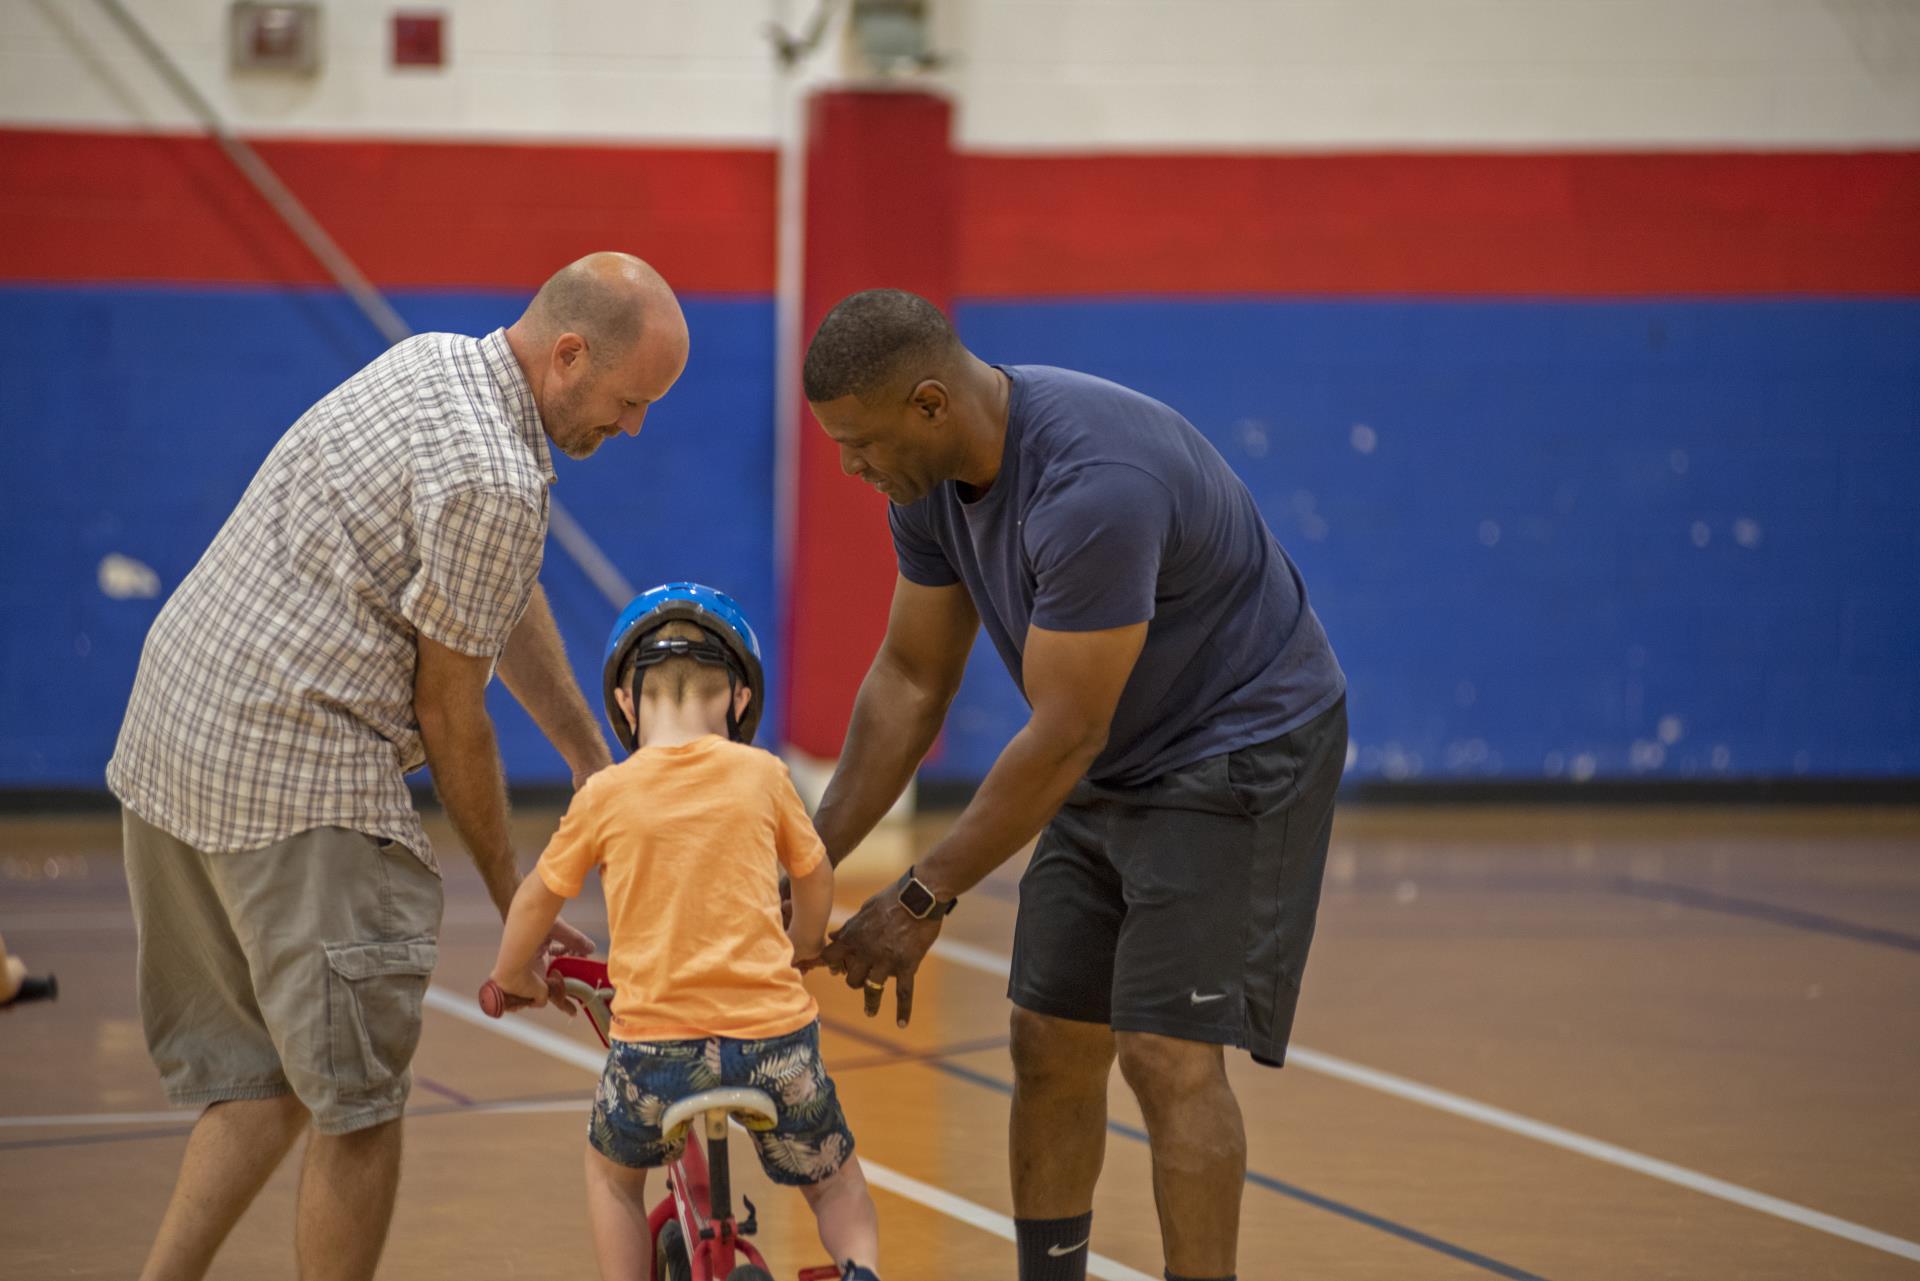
(1062, 1251)
(1202, 1000)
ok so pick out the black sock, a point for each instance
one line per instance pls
(33, 988)
(1054, 1249)
(1172, 1276)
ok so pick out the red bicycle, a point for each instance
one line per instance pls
(695, 1234)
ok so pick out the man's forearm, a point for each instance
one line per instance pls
(1022, 792)
(893, 726)
(534, 668)
(467, 775)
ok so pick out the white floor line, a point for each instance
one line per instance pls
(518, 1028)
(543, 1105)
(983, 960)
(943, 1202)
(1599, 1150)
(974, 958)
(1098, 1265)
(987, 962)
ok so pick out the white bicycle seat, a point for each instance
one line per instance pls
(752, 1108)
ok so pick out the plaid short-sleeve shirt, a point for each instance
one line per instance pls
(275, 690)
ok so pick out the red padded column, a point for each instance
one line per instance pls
(881, 207)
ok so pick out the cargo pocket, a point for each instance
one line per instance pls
(374, 994)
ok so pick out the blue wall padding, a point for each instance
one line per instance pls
(137, 416)
(1593, 437)
(1511, 574)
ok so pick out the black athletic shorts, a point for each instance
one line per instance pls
(1185, 906)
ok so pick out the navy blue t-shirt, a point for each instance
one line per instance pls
(1111, 509)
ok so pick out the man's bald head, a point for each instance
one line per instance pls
(606, 298)
(601, 341)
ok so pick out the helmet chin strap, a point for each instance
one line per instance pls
(712, 654)
(633, 692)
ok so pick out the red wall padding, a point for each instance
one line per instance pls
(94, 206)
(881, 211)
(1596, 225)
(86, 206)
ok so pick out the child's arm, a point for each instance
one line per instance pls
(808, 897)
(812, 901)
(523, 942)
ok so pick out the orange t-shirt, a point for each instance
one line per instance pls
(687, 840)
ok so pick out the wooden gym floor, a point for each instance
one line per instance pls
(1567, 1044)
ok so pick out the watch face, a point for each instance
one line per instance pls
(916, 898)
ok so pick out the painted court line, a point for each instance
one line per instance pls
(1098, 1265)
(1352, 1213)
(182, 1117)
(570, 1051)
(175, 1123)
(1792, 918)
(525, 1031)
(979, 958)
(1599, 1150)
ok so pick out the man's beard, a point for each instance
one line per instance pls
(574, 436)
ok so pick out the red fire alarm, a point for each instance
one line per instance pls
(419, 38)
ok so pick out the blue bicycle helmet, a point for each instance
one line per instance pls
(734, 647)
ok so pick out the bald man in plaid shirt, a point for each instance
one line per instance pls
(340, 632)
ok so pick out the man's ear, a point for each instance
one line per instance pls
(569, 350)
(625, 699)
(741, 697)
(929, 399)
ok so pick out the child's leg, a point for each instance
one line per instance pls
(617, 1211)
(843, 1210)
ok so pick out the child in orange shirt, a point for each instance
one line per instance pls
(689, 833)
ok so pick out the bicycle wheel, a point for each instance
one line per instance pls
(747, 1272)
(671, 1262)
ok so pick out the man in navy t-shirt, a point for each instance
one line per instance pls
(1188, 731)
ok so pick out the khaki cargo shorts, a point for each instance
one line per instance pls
(297, 968)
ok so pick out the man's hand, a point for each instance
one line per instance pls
(879, 942)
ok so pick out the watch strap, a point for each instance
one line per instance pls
(935, 909)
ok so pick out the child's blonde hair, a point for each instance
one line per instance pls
(678, 679)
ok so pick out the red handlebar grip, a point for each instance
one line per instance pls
(493, 999)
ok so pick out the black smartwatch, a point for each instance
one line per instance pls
(919, 900)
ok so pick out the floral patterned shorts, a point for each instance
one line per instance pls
(644, 1078)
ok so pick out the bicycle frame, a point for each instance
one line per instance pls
(702, 1201)
(700, 1194)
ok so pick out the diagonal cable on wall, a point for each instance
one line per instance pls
(566, 530)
